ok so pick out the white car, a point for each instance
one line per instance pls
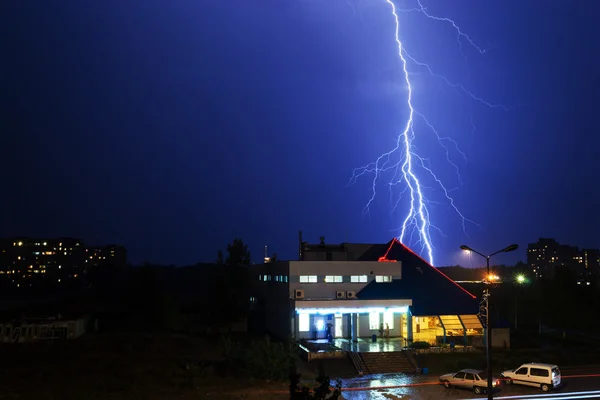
(543, 376)
(472, 379)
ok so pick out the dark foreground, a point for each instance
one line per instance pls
(164, 367)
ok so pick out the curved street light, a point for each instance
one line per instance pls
(512, 247)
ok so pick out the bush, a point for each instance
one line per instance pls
(420, 345)
(321, 391)
(260, 358)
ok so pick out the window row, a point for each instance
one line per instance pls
(327, 279)
(276, 278)
(342, 279)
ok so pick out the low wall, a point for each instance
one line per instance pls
(11, 332)
(468, 349)
(309, 355)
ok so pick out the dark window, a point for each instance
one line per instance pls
(329, 257)
(539, 372)
(459, 375)
(522, 371)
(469, 377)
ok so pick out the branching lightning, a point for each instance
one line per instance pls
(404, 163)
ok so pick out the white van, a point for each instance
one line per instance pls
(544, 376)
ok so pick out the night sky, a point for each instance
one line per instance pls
(172, 127)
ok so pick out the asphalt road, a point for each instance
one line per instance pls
(576, 381)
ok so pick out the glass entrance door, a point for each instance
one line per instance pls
(338, 326)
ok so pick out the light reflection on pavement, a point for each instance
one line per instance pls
(385, 381)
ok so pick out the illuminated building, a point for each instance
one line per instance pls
(358, 287)
(25, 261)
(30, 262)
(546, 255)
(109, 255)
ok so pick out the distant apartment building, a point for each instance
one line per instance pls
(546, 255)
(31, 262)
(109, 255)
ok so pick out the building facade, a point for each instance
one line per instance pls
(358, 290)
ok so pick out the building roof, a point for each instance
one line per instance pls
(432, 292)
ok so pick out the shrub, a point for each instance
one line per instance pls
(420, 345)
(260, 358)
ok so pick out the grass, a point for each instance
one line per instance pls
(122, 366)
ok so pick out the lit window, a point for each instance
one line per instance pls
(374, 321)
(286, 278)
(383, 278)
(276, 278)
(333, 279)
(308, 279)
(358, 279)
(388, 318)
(303, 322)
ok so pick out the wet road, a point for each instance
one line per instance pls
(426, 387)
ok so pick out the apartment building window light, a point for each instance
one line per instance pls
(308, 278)
(383, 278)
(374, 321)
(334, 279)
(358, 279)
(303, 322)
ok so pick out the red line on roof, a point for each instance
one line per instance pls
(394, 241)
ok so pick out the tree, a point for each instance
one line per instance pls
(237, 254)
(232, 283)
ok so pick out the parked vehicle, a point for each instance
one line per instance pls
(544, 376)
(472, 379)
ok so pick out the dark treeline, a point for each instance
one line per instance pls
(559, 303)
(506, 272)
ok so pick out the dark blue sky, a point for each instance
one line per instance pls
(173, 126)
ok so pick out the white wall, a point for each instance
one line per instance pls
(346, 269)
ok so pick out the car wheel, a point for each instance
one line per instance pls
(545, 387)
(477, 390)
(447, 385)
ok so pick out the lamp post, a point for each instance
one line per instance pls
(520, 280)
(486, 298)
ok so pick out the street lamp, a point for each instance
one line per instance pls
(486, 298)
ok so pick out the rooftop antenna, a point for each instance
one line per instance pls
(300, 245)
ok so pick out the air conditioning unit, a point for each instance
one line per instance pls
(298, 294)
(350, 294)
(340, 294)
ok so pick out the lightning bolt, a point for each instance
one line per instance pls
(403, 159)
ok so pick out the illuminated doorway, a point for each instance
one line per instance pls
(338, 326)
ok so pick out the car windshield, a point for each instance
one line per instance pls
(555, 371)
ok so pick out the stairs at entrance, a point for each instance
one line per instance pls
(385, 362)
